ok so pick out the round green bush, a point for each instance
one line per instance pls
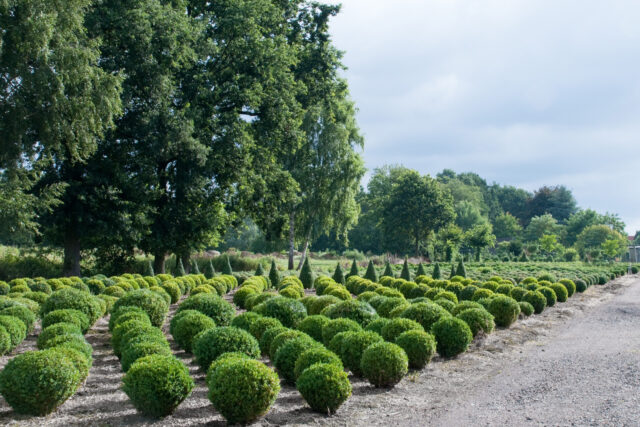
(188, 326)
(467, 293)
(537, 300)
(37, 382)
(152, 303)
(75, 299)
(131, 315)
(157, 384)
(384, 364)
(504, 309)
(288, 311)
(55, 330)
(419, 347)
(388, 304)
(316, 354)
(526, 308)
(131, 327)
(4, 288)
(550, 296)
(5, 341)
(569, 285)
(397, 326)
(281, 339)
(142, 349)
(561, 291)
(67, 315)
(425, 314)
(465, 305)
(517, 293)
(243, 293)
(244, 320)
(79, 359)
(312, 326)
(23, 313)
(321, 303)
(288, 353)
(243, 390)
(335, 345)
(478, 320)
(210, 344)
(446, 304)
(581, 285)
(453, 336)
(377, 325)
(336, 326)
(353, 346)
(324, 386)
(137, 336)
(358, 311)
(258, 328)
(114, 291)
(74, 341)
(213, 306)
(268, 335)
(482, 293)
(224, 358)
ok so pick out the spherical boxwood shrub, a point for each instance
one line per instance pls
(258, 327)
(316, 354)
(130, 327)
(312, 326)
(465, 305)
(324, 386)
(75, 299)
(453, 336)
(561, 291)
(478, 320)
(358, 311)
(157, 384)
(384, 364)
(425, 314)
(79, 359)
(210, 344)
(267, 338)
(288, 311)
(517, 293)
(243, 293)
(282, 338)
(141, 349)
(55, 330)
(321, 303)
(377, 325)
(505, 310)
(5, 341)
(37, 382)
(243, 390)
(537, 300)
(244, 320)
(526, 308)
(74, 341)
(288, 353)
(335, 326)
(67, 315)
(213, 306)
(190, 325)
(353, 346)
(388, 304)
(152, 303)
(23, 313)
(397, 326)
(581, 285)
(419, 347)
(550, 296)
(225, 358)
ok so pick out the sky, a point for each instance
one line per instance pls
(524, 93)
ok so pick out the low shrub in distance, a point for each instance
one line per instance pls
(452, 335)
(316, 354)
(324, 386)
(211, 305)
(152, 303)
(67, 315)
(208, 345)
(526, 308)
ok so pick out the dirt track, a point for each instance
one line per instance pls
(576, 364)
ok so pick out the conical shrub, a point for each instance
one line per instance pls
(461, 270)
(274, 275)
(388, 271)
(306, 275)
(406, 274)
(354, 269)
(371, 273)
(209, 271)
(338, 275)
(436, 272)
(226, 265)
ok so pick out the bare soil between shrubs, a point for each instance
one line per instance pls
(578, 363)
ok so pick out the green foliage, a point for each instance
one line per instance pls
(316, 354)
(208, 345)
(353, 346)
(461, 270)
(436, 272)
(188, 326)
(505, 310)
(561, 291)
(405, 273)
(354, 269)
(395, 327)
(209, 271)
(149, 301)
(377, 325)
(453, 336)
(335, 326)
(325, 387)
(127, 312)
(16, 328)
(426, 314)
(358, 311)
(244, 320)
(419, 347)
(288, 311)
(537, 300)
(268, 336)
(384, 364)
(5, 341)
(274, 275)
(581, 285)
(243, 390)
(388, 271)
(74, 299)
(526, 308)
(157, 384)
(549, 294)
(287, 354)
(478, 320)
(55, 330)
(38, 382)
(338, 275)
(213, 306)
(306, 275)
(260, 325)
(23, 313)
(142, 349)
(226, 266)
(179, 269)
(313, 325)
(371, 273)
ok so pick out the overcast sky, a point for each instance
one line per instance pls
(525, 93)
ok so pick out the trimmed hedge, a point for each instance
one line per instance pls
(188, 326)
(288, 311)
(353, 346)
(419, 347)
(213, 306)
(317, 354)
(384, 364)
(288, 353)
(335, 326)
(324, 386)
(210, 344)
(453, 336)
(478, 320)
(152, 303)
(67, 315)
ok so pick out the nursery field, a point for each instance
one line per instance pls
(495, 342)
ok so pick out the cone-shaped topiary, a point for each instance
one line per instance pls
(354, 270)
(179, 270)
(306, 275)
(259, 271)
(461, 270)
(523, 257)
(149, 270)
(406, 274)
(226, 265)
(421, 271)
(371, 273)
(209, 271)
(338, 275)
(436, 272)
(194, 267)
(388, 271)
(274, 275)
(453, 271)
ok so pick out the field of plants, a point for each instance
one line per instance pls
(255, 335)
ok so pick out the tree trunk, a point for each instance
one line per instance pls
(304, 250)
(71, 265)
(159, 262)
(291, 238)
